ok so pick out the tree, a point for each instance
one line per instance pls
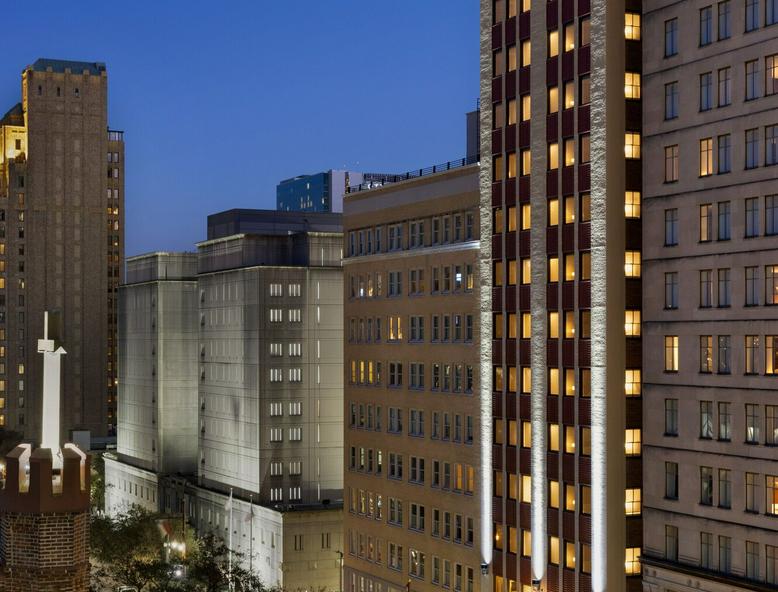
(97, 480)
(127, 550)
(208, 568)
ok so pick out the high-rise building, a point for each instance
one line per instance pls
(231, 387)
(320, 192)
(711, 271)
(560, 195)
(61, 245)
(414, 430)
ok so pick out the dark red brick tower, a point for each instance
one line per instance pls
(44, 522)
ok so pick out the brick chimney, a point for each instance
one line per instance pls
(44, 521)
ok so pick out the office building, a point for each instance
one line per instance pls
(415, 508)
(320, 192)
(560, 194)
(62, 245)
(232, 384)
(710, 257)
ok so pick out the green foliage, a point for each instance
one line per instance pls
(129, 550)
(97, 480)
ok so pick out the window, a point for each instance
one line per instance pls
(771, 214)
(671, 353)
(771, 144)
(706, 91)
(771, 74)
(632, 204)
(671, 37)
(752, 423)
(671, 542)
(553, 43)
(725, 20)
(632, 502)
(752, 148)
(671, 100)
(671, 290)
(706, 222)
(752, 217)
(771, 354)
(632, 442)
(706, 420)
(724, 354)
(632, 561)
(771, 12)
(752, 560)
(725, 288)
(632, 323)
(725, 488)
(585, 93)
(585, 33)
(725, 154)
(671, 417)
(706, 25)
(631, 145)
(752, 80)
(725, 218)
(569, 152)
(526, 53)
(771, 555)
(771, 284)
(553, 156)
(706, 157)
(725, 422)
(706, 550)
(706, 354)
(752, 286)
(752, 492)
(725, 86)
(632, 26)
(671, 480)
(631, 264)
(752, 15)
(671, 164)
(725, 554)
(526, 109)
(631, 85)
(569, 37)
(526, 162)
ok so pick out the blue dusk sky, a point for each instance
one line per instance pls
(221, 100)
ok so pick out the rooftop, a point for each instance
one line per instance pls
(415, 174)
(271, 222)
(43, 64)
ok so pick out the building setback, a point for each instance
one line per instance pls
(711, 259)
(560, 191)
(231, 382)
(62, 244)
(320, 192)
(413, 405)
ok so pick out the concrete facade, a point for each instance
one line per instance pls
(63, 244)
(711, 511)
(415, 505)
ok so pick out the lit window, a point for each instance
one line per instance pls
(512, 111)
(553, 212)
(553, 99)
(511, 165)
(632, 26)
(631, 145)
(569, 324)
(526, 53)
(553, 43)
(632, 561)
(632, 204)
(569, 267)
(526, 325)
(553, 437)
(569, 37)
(569, 439)
(526, 489)
(511, 58)
(570, 376)
(553, 269)
(526, 162)
(526, 271)
(569, 95)
(671, 353)
(553, 494)
(526, 434)
(632, 502)
(632, 264)
(569, 152)
(632, 383)
(632, 442)
(526, 107)
(632, 85)
(706, 157)
(570, 555)
(553, 156)
(553, 550)
(553, 380)
(570, 498)
(553, 325)
(526, 217)
(632, 323)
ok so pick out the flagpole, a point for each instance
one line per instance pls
(251, 533)
(229, 573)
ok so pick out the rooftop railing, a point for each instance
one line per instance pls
(438, 168)
(115, 136)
